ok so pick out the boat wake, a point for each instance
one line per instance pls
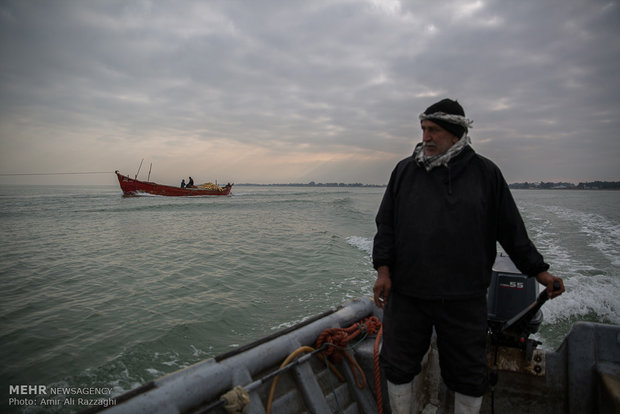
(362, 243)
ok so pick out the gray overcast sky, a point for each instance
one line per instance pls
(293, 91)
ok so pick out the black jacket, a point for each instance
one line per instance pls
(437, 230)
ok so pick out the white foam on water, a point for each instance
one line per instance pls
(584, 296)
(197, 352)
(362, 243)
(592, 286)
(601, 233)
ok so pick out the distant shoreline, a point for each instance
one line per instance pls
(592, 185)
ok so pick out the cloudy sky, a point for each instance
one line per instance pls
(279, 91)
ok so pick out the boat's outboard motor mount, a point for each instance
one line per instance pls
(513, 315)
(513, 309)
(510, 292)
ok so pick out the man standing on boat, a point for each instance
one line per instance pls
(444, 210)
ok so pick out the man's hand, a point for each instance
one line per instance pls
(547, 279)
(382, 287)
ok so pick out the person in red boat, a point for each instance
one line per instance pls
(443, 211)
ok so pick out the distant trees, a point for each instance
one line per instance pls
(600, 185)
(592, 185)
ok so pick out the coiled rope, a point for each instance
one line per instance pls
(333, 343)
(339, 338)
(378, 371)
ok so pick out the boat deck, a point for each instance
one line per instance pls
(582, 376)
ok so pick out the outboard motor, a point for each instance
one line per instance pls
(513, 307)
(513, 315)
(511, 292)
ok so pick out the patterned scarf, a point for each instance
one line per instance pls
(443, 159)
(440, 159)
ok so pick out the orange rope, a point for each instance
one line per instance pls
(378, 372)
(339, 338)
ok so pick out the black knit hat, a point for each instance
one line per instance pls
(447, 106)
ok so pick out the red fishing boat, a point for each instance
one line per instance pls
(133, 186)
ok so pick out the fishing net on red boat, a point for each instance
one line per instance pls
(209, 186)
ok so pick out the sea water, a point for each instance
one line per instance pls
(104, 292)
